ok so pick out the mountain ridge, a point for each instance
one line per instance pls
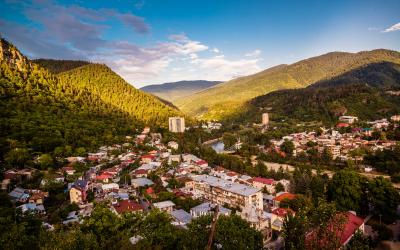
(213, 102)
(172, 91)
(361, 92)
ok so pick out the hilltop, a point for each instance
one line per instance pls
(173, 91)
(83, 106)
(212, 103)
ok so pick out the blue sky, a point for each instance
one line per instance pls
(158, 41)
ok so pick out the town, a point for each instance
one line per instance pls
(143, 173)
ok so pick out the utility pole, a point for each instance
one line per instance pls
(213, 226)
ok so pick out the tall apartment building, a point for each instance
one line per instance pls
(221, 192)
(176, 124)
(265, 119)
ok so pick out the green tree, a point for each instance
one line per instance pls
(287, 147)
(17, 157)
(384, 199)
(45, 161)
(345, 189)
(279, 187)
(294, 231)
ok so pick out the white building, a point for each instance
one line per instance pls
(348, 119)
(265, 119)
(167, 206)
(395, 118)
(224, 192)
(176, 124)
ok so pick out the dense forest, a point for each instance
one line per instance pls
(81, 108)
(361, 92)
(228, 98)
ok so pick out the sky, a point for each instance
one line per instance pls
(158, 41)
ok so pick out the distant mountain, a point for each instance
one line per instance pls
(173, 91)
(361, 92)
(227, 98)
(86, 106)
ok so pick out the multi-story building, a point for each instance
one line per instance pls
(224, 192)
(265, 119)
(348, 119)
(176, 124)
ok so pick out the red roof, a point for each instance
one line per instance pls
(351, 224)
(148, 157)
(342, 125)
(140, 171)
(104, 176)
(127, 206)
(282, 212)
(284, 196)
(263, 180)
(201, 162)
(231, 174)
(150, 190)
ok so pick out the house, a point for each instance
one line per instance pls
(69, 170)
(138, 173)
(268, 184)
(257, 218)
(348, 119)
(32, 208)
(26, 173)
(180, 217)
(166, 206)
(344, 225)
(208, 208)
(141, 182)
(395, 118)
(38, 196)
(278, 216)
(148, 158)
(342, 125)
(173, 145)
(77, 193)
(126, 206)
(174, 158)
(104, 177)
(19, 194)
(71, 218)
(73, 159)
(11, 174)
(202, 163)
(110, 187)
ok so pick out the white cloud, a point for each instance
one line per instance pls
(224, 69)
(254, 53)
(74, 32)
(394, 27)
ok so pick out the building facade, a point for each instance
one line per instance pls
(224, 192)
(176, 124)
(265, 119)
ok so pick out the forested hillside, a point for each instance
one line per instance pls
(173, 91)
(360, 92)
(227, 98)
(78, 109)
